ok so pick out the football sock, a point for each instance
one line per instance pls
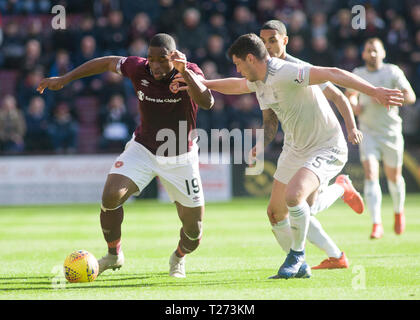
(299, 223)
(373, 197)
(320, 238)
(186, 244)
(111, 221)
(283, 234)
(326, 198)
(397, 191)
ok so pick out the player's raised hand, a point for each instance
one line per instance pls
(355, 136)
(53, 83)
(178, 84)
(389, 97)
(179, 60)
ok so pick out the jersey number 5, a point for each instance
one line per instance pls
(195, 186)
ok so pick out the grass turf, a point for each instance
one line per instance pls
(237, 254)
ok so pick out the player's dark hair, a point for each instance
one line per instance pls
(373, 40)
(248, 44)
(163, 40)
(275, 25)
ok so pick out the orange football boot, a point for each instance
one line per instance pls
(333, 263)
(350, 196)
(399, 223)
(377, 231)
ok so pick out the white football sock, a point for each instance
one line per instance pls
(320, 238)
(299, 223)
(373, 198)
(397, 191)
(326, 198)
(283, 234)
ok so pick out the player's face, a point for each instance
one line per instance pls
(159, 62)
(274, 42)
(373, 54)
(245, 68)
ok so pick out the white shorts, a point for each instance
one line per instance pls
(388, 149)
(179, 175)
(326, 163)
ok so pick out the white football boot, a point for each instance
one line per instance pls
(111, 261)
(176, 266)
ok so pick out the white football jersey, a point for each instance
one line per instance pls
(307, 120)
(375, 118)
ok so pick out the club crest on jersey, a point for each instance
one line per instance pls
(140, 95)
(144, 82)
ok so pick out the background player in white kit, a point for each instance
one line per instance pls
(314, 149)
(383, 139)
(274, 35)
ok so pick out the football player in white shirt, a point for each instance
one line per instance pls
(383, 139)
(314, 149)
(274, 35)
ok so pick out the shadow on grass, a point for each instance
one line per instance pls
(103, 282)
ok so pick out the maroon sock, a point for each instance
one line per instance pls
(111, 221)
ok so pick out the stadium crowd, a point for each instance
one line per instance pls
(98, 114)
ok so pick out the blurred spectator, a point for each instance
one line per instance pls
(375, 26)
(286, 8)
(265, 10)
(61, 64)
(296, 47)
(210, 70)
(115, 35)
(298, 25)
(217, 25)
(37, 138)
(398, 41)
(168, 17)
(26, 90)
(324, 6)
(350, 58)
(141, 27)
(414, 19)
(12, 126)
(63, 130)
(88, 51)
(216, 52)
(114, 85)
(415, 62)
(341, 33)
(191, 33)
(33, 56)
(25, 6)
(86, 28)
(116, 125)
(243, 22)
(319, 26)
(138, 48)
(246, 112)
(13, 48)
(321, 53)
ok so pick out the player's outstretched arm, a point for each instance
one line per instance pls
(225, 86)
(335, 95)
(342, 78)
(89, 68)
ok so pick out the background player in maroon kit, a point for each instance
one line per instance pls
(139, 163)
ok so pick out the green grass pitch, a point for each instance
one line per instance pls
(237, 254)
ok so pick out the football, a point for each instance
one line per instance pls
(81, 266)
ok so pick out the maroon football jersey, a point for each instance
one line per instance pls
(159, 107)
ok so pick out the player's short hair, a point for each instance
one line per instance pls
(163, 40)
(248, 43)
(276, 25)
(373, 40)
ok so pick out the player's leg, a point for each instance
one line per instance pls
(129, 175)
(373, 195)
(278, 215)
(189, 238)
(299, 188)
(396, 186)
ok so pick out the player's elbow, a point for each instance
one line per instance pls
(410, 99)
(207, 102)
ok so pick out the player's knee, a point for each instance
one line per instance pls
(112, 198)
(275, 214)
(293, 197)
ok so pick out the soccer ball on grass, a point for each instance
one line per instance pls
(81, 266)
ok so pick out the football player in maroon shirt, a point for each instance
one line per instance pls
(147, 155)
